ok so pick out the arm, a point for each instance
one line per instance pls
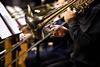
(88, 37)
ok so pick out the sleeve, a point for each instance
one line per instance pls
(86, 38)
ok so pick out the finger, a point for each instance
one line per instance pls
(74, 10)
(68, 9)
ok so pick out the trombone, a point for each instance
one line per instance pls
(80, 5)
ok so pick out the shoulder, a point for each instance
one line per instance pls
(97, 7)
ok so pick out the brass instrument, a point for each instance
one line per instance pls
(80, 6)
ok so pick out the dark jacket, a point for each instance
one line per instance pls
(86, 35)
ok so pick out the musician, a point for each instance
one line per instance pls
(84, 30)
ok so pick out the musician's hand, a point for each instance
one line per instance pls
(59, 3)
(69, 14)
(59, 31)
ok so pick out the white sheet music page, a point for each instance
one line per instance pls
(4, 31)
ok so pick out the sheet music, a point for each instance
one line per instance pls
(4, 31)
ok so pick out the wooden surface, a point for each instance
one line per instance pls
(8, 56)
(24, 48)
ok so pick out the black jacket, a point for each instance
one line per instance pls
(85, 32)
